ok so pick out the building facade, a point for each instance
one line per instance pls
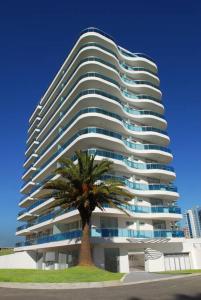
(193, 221)
(105, 100)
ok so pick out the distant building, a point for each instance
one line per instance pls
(193, 221)
(186, 232)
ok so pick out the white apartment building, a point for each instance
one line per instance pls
(104, 100)
(193, 221)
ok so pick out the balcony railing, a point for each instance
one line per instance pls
(104, 233)
(132, 208)
(119, 232)
(101, 76)
(100, 46)
(102, 93)
(124, 78)
(142, 186)
(35, 204)
(129, 163)
(128, 143)
(131, 127)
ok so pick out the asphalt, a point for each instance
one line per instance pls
(188, 288)
(138, 276)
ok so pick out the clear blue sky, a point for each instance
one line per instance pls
(35, 38)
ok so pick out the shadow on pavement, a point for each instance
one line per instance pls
(184, 297)
(176, 297)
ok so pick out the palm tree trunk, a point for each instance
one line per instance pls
(85, 257)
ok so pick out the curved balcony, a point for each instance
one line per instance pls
(152, 190)
(124, 77)
(103, 233)
(98, 46)
(139, 115)
(136, 69)
(165, 191)
(61, 75)
(132, 95)
(154, 170)
(121, 50)
(129, 233)
(30, 207)
(137, 131)
(139, 149)
(132, 208)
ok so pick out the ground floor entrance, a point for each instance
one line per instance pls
(111, 256)
(136, 261)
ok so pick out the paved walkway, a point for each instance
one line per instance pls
(137, 276)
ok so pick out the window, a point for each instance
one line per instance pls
(108, 222)
(128, 223)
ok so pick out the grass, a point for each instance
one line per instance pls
(74, 274)
(6, 251)
(182, 272)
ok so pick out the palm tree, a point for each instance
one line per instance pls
(81, 186)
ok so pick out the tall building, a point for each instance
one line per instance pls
(105, 100)
(193, 221)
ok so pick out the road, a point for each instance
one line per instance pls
(177, 289)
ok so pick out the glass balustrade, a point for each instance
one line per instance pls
(141, 186)
(35, 204)
(92, 44)
(97, 75)
(131, 127)
(123, 51)
(119, 232)
(136, 69)
(102, 233)
(108, 133)
(134, 55)
(134, 82)
(128, 143)
(44, 218)
(99, 92)
(102, 93)
(131, 208)
(94, 29)
(124, 77)
(130, 163)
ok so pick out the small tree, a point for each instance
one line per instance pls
(81, 186)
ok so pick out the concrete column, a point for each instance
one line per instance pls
(196, 258)
(123, 260)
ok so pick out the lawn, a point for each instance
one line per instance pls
(182, 272)
(74, 274)
(6, 251)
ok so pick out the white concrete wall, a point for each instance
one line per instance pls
(155, 265)
(20, 260)
(123, 261)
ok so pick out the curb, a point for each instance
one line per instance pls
(60, 286)
(122, 278)
(84, 285)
